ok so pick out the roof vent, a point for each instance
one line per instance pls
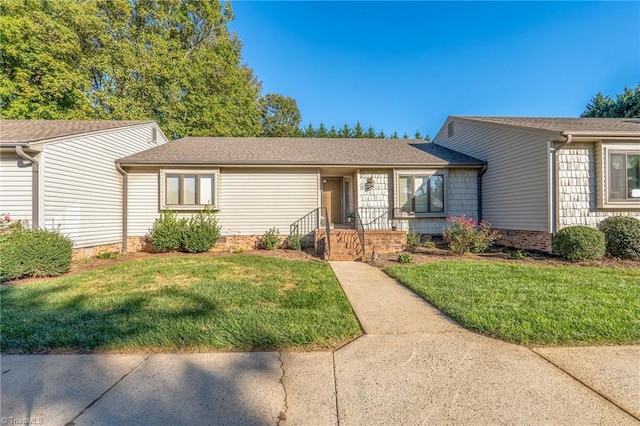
(154, 135)
(450, 129)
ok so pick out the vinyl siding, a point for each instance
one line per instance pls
(15, 186)
(250, 200)
(142, 200)
(515, 188)
(461, 198)
(579, 181)
(254, 200)
(83, 189)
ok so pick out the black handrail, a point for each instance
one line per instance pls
(311, 222)
(360, 232)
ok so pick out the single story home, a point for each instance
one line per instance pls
(104, 183)
(60, 174)
(306, 186)
(544, 174)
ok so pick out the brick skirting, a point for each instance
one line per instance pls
(528, 240)
(384, 242)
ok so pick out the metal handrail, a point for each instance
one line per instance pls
(360, 231)
(311, 222)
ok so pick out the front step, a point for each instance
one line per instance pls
(345, 244)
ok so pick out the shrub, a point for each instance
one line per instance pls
(466, 235)
(294, 242)
(579, 243)
(622, 236)
(413, 239)
(201, 232)
(519, 254)
(270, 239)
(405, 258)
(167, 230)
(34, 253)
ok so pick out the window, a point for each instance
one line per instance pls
(420, 193)
(624, 176)
(188, 189)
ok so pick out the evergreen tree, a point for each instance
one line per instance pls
(626, 105)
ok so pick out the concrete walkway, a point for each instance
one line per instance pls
(414, 366)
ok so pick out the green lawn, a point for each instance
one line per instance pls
(533, 304)
(180, 303)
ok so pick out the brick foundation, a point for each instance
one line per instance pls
(384, 242)
(229, 243)
(528, 240)
(85, 252)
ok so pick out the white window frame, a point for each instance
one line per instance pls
(164, 173)
(604, 175)
(417, 172)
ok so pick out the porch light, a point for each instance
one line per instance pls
(370, 184)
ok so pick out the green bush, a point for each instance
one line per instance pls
(579, 243)
(413, 239)
(405, 258)
(167, 230)
(201, 232)
(294, 242)
(270, 239)
(34, 253)
(622, 236)
(466, 235)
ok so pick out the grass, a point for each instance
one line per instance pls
(533, 304)
(180, 303)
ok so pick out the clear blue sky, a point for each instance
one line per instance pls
(406, 66)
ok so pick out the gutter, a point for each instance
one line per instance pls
(125, 187)
(35, 185)
(483, 170)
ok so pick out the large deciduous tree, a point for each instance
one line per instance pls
(280, 116)
(173, 61)
(626, 105)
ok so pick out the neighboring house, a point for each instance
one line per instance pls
(60, 174)
(544, 174)
(255, 184)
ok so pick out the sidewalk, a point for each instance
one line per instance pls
(414, 366)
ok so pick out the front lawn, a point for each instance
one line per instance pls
(533, 304)
(180, 303)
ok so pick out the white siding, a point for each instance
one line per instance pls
(250, 200)
(142, 199)
(15, 186)
(83, 189)
(578, 183)
(254, 200)
(515, 188)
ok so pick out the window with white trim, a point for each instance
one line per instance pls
(623, 176)
(188, 189)
(420, 193)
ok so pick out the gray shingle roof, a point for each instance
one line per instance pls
(14, 132)
(583, 125)
(300, 151)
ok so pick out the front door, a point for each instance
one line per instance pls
(332, 198)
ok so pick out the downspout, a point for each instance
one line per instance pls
(555, 183)
(35, 185)
(483, 170)
(125, 187)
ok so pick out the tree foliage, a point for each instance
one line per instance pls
(280, 116)
(346, 131)
(626, 105)
(173, 61)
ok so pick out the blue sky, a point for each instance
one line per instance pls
(406, 66)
